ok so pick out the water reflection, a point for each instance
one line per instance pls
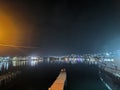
(33, 63)
(18, 63)
(5, 65)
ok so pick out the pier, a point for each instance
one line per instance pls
(60, 81)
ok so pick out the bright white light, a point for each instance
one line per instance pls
(66, 59)
(33, 63)
(4, 65)
(14, 63)
(112, 60)
(107, 54)
(34, 58)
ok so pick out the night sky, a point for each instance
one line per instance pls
(62, 27)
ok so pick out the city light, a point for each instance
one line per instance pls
(107, 54)
(34, 58)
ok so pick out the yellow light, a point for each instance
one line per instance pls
(10, 33)
(8, 30)
(14, 28)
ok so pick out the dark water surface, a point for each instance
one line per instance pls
(42, 75)
(83, 77)
(38, 77)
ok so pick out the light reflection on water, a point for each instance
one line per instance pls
(5, 65)
(18, 63)
(24, 63)
(33, 63)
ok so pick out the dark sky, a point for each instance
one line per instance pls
(61, 27)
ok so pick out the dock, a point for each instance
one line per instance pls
(60, 81)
